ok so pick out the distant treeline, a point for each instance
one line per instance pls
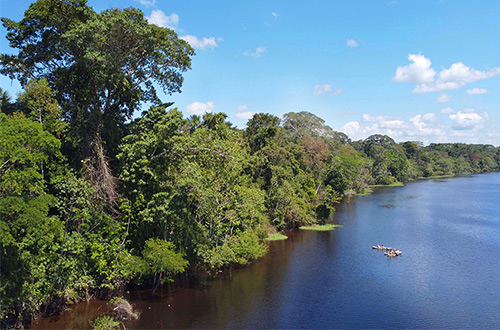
(91, 201)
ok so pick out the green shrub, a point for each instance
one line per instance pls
(105, 323)
(276, 237)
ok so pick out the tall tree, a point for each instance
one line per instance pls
(260, 130)
(304, 123)
(102, 66)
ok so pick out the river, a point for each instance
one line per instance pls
(447, 277)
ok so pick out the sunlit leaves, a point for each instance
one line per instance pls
(101, 66)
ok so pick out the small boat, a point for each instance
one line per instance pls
(393, 253)
(378, 247)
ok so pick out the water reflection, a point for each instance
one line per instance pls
(447, 277)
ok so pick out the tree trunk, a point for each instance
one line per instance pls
(157, 284)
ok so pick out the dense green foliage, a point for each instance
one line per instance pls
(101, 66)
(90, 201)
(105, 322)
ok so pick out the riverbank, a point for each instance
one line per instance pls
(326, 227)
(312, 280)
(379, 224)
(371, 188)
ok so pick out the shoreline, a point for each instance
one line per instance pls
(371, 188)
(189, 280)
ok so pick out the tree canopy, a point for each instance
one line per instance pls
(101, 66)
(92, 199)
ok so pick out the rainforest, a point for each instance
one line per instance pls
(94, 198)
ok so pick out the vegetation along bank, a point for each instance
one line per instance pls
(92, 199)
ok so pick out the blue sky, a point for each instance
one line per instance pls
(415, 70)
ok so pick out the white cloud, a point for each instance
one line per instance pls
(461, 74)
(275, 14)
(352, 129)
(468, 119)
(423, 75)
(443, 98)
(258, 52)
(425, 127)
(199, 108)
(200, 43)
(352, 43)
(338, 91)
(477, 91)
(383, 121)
(370, 124)
(159, 18)
(396, 123)
(466, 126)
(147, 3)
(418, 72)
(430, 117)
(245, 115)
(447, 110)
(426, 124)
(322, 89)
(366, 117)
(326, 88)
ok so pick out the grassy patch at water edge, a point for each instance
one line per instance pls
(365, 192)
(395, 184)
(276, 237)
(326, 227)
(445, 176)
(369, 190)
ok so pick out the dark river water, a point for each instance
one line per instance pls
(447, 277)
